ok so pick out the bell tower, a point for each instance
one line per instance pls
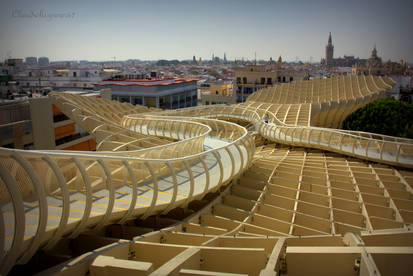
(329, 51)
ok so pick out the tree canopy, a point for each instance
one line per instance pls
(384, 116)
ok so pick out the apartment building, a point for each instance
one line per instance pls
(37, 79)
(217, 92)
(154, 92)
(254, 77)
(38, 124)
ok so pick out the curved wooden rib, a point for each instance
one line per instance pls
(144, 156)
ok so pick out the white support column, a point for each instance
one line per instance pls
(42, 123)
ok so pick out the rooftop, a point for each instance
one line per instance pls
(145, 82)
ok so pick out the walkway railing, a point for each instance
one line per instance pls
(378, 149)
(146, 163)
(49, 195)
(369, 146)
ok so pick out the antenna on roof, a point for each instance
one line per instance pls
(255, 58)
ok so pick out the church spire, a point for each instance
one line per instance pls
(329, 60)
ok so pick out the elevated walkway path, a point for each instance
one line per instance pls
(50, 195)
(149, 162)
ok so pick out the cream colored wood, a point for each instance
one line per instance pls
(106, 265)
(282, 206)
(260, 227)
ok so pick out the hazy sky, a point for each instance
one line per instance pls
(100, 30)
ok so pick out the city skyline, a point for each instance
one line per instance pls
(100, 31)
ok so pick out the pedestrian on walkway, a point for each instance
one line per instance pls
(266, 117)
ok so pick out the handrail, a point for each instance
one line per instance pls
(141, 151)
(393, 150)
(140, 167)
(399, 150)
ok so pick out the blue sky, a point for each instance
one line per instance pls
(100, 30)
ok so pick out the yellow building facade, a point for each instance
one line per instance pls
(251, 78)
(217, 92)
(221, 88)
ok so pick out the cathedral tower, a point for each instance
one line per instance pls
(329, 51)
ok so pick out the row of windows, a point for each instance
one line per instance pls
(165, 102)
(246, 90)
(36, 84)
(212, 103)
(266, 80)
(74, 74)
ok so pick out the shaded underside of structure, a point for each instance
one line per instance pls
(317, 200)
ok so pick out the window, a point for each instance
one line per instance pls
(188, 100)
(150, 101)
(216, 92)
(269, 80)
(279, 79)
(262, 80)
(123, 99)
(238, 80)
(291, 79)
(283, 79)
(244, 80)
(175, 99)
(74, 74)
(166, 102)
